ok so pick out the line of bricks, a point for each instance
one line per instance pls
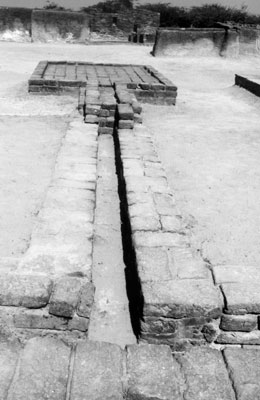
(145, 82)
(240, 321)
(48, 368)
(51, 288)
(178, 294)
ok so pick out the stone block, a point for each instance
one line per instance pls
(241, 298)
(91, 119)
(105, 130)
(86, 299)
(43, 371)
(125, 112)
(251, 338)
(142, 210)
(236, 274)
(39, 319)
(110, 122)
(158, 239)
(171, 223)
(152, 373)
(186, 264)
(137, 108)
(244, 367)
(181, 299)
(153, 264)
(165, 204)
(104, 113)
(29, 291)
(78, 323)
(65, 296)
(98, 371)
(243, 323)
(150, 223)
(138, 119)
(126, 124)
(9, 354)
(205, 375)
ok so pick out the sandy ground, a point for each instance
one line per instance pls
(209, 144)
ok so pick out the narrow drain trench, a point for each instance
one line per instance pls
(118, 303)
(133, 285)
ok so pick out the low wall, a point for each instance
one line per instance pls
(15, 24)
(196, 42)
(119, 26)
(249, 41)
(55, 26)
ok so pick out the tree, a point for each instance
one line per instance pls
(53, 6)
(111, 6)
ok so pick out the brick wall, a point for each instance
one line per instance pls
(121, 25)
(48, 26)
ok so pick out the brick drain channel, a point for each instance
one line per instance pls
(110, 220)
(109, 239)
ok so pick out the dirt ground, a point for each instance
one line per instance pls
(209, 144)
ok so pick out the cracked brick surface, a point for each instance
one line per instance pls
(49, 368)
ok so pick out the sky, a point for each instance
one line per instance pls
(253, 5)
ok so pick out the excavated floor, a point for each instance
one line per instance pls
(108, 232)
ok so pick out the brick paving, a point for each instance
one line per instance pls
(144, 81)
(49, 368)
(58, 295)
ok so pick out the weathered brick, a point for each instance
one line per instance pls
(98, 371)
(152, 373)
(180, 299)
(91, 119)
(126, 124)
(205, 375)
(152, 264)
(244, 367)
(30, 291)
(137, 108)
(242, 298)
(138, 119)
(86, 299)
(157, 239)
(125, 112)
(252, 337)
(65, 296)
(39, 319)
(78, 323)
(9, 353)
(105, 131)
(236, 274)
(243, 323)
(171, 223)
(43, 371)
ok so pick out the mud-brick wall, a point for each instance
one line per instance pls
(249, 41)
(121, 25)
(196, 42)
(54, 26)
(15, 24)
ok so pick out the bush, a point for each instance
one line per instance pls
(200, 16)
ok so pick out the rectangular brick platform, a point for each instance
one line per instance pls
(250, 83)
(145, 82)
